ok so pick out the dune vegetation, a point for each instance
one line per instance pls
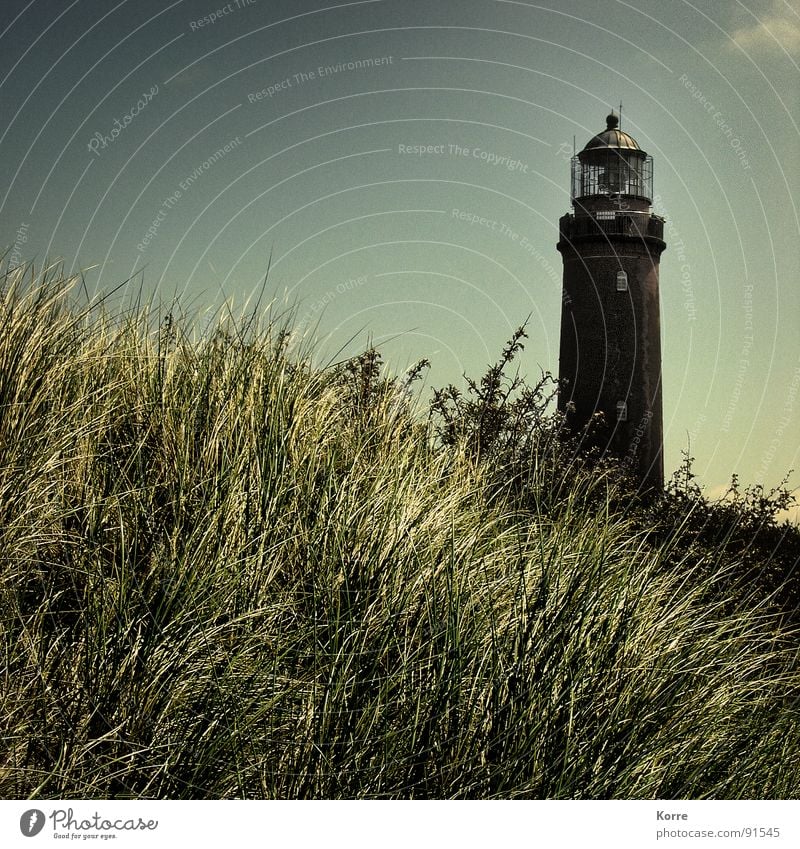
(228, 573)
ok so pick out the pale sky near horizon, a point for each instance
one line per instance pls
(183, 143)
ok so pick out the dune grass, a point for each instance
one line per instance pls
(221, 578)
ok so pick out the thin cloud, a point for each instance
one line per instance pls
(778, 31)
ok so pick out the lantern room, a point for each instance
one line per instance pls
(612, 167)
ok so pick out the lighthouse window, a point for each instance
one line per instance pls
(622, 281)
(622, 411)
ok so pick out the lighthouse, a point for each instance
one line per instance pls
(610, 351)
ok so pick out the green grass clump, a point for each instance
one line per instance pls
(224, 576)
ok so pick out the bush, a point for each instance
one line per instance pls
(740, 530)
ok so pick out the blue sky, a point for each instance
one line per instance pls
(405, 164)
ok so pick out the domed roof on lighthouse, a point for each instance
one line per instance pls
(612, 136)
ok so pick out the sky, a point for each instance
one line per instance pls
(400, 166)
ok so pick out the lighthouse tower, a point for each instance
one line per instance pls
(610, 358)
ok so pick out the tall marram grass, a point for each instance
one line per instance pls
(220, 579)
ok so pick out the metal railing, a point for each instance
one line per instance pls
(618, 224)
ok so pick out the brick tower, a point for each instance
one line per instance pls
(610, 357)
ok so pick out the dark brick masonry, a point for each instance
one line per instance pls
(610, 329)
